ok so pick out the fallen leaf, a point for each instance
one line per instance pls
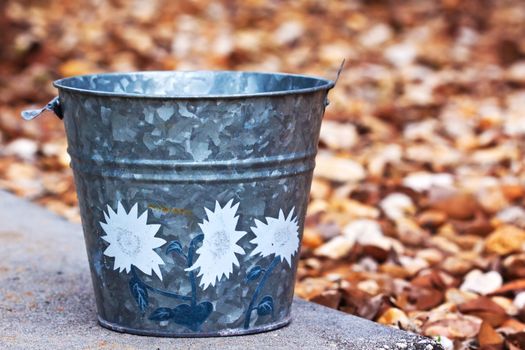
(444, 245)
(397, 206)
(482, 283)
(425, 181)
(506, 304)
(413, 265)
(369, 286)
(394, 317)
(353, 209)
(431, 255)
(513, 191)
(510, 287)
(517, 339)
(355, 301)
(337, 135)
(409, 232)
(505, 239)
(312, 287)
(456, 265)
(486, 309)
(479, 225)
(366, 232)
(338, 169)
(457, 205)
(453, 326)
(434, 278)
(457, 296)
(426, 298)
(336, 248)
(513, 215)
(77, 67)
(489, 338)
(320, 189)
(519, 300)
(23, 148)
(492, 199)
(329, 298)
(514, 266)
(516, 72)
(431, 219)
(511, 326)
(311, 238)
(394, 270)
(374, 306)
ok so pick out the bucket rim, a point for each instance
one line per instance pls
(326, 84)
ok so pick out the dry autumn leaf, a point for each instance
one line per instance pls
(486, 309)
(488, 338)
(510, 287)
(454, 326)
(506, 239)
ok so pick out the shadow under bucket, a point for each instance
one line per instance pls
(193, 188)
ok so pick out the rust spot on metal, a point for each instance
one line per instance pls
(176, 211)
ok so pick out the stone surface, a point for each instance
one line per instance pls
(46, 300)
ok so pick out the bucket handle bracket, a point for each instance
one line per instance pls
(53, 106)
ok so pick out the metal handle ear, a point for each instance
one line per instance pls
(53, 106)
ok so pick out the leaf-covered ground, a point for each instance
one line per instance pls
(416, 217)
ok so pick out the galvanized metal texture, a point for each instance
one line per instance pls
(200, 85)
(176, 145)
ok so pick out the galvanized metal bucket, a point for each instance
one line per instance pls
(193, 188)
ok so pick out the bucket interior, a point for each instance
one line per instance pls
(198, 84)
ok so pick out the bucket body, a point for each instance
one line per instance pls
(193, 188)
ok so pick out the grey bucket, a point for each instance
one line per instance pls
(193, 189)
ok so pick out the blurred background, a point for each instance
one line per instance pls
(416, 217)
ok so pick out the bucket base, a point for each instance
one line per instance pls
(223, 333)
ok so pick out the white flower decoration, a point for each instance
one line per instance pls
(132, 240)
(279, 237)
(218, 249)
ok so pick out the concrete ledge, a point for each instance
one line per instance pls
(46, 300)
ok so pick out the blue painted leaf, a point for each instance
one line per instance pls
(254, 273)
(197, 239)
(265, 307)
(161, 314)
(192, 317)
(140, 293)
(174, 247)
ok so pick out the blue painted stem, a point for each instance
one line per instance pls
(191, 251)
(156, 290)
(258, 290)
